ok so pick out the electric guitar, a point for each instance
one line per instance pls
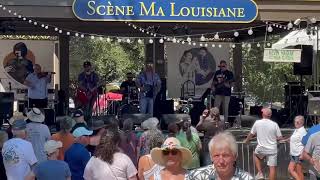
(85, 95)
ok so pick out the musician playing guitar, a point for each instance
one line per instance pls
(88, 89)
(221, 86)
(149, 84)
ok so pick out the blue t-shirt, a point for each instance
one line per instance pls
(312, 130)
(52, 170)
(220, 77)
(77, 157)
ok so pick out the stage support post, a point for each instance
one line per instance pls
(237, 67)
(64, 67)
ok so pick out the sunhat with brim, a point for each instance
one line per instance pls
(35, 115)
(150, 123)
(51, 146)
(96, 124)
(15, 116)
(19, 124)
(169, 144)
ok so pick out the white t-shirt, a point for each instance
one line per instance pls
(18, 157)
(122, 168)
(267, 133)
(296, 147)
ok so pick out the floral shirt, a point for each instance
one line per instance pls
(209, 173)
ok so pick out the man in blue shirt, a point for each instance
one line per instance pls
(150, 84)
(221, 85)
(77, 156)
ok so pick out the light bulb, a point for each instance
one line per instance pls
(270, 29)
(128, 41)
(213, 45)
(216, 36)
(47, 27)
(249, 45)
(108, 39)
(236, 34)
(250, 31)
(290, 25)
(68, 33)
(183, 42)
(161, 41)
(189, 39)
(194, 44)
(101, 38)
(233, 46)
(202, 38)
(258, 45)
(56, 29)
(220, 46)
(60, 31)
(150, 41)
(82, 36)
(174, 40)
(76, 34)
(92, 37)
(119, 40)
(205, 45)
(139, 41)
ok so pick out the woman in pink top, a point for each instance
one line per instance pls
(108, 162)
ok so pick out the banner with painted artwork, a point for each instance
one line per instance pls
(192, 68)
(17, 58)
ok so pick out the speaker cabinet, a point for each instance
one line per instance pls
(305, 66)
(6, 105)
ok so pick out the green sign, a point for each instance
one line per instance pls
(282, 55)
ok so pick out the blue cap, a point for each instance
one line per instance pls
(81, 131)
(19, 124)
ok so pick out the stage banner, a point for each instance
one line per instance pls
(195, 11)
(192, 66)
(17, 58)
(282, 55)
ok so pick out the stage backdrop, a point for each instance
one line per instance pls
(193, 64)
(13, 67)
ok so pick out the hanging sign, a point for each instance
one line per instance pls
(197, 11)
(282, 55)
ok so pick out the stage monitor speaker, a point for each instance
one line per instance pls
(305, 66)
(6, 105)
(136, 118)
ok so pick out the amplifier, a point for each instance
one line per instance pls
(6, 105)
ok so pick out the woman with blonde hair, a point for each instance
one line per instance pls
(174, 158)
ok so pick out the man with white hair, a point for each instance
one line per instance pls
(18, 155)
(268, 133)
(223, 152)
(52, 169)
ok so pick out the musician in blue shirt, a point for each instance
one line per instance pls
(149, 84)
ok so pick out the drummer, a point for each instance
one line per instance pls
(129, 89)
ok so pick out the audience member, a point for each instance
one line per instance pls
(18, 155)
(147, 167)
(77, 156)
(268, 133)
(64, 136)
(51, 169)
(37, 133)
(149, 126)
(129, 141)
(3, 139)
(311, 151)
(108, 162)
(192, 142)
(296, 149)
(16, 115)
(173, 129)
(224, 152)
(78, 116)
(173, 157)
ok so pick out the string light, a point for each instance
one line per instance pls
(174, 40)
(76, 34)
(194, 43)
(250, 32)
(119, 40)
(60, 31)
(139, 41)
(101, 38)
(216, 36)
(236, 34)
(108, 39)
(270, 29)
(202, 38)
(68, 33)
(220, 46)
(82, 36)
(213, 45)
(189, 39)
(290, 25)
(150, 41)
(258, 45)
(161, 41)
(92, 37)
(233, 46)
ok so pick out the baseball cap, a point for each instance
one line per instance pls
(81, 131)
(78, 113)
(87, 63)
(51, 146)
(19, 124)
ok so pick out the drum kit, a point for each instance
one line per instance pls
(130, 103)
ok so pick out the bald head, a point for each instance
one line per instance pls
(266, 113)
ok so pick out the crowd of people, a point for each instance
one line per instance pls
(120, 153)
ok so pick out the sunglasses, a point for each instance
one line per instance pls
(173, 152)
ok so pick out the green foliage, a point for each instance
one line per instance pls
(111, 60)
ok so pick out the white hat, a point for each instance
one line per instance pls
(150, 123)
(51, 146)
(171, 143)
(35, 115)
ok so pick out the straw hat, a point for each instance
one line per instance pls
(171, 143)
(35, 115)
(15, 116)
